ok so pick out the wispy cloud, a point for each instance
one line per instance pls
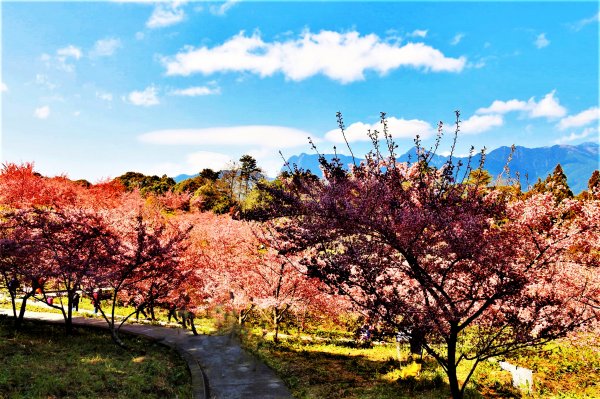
(457, 38)
(273, 137)
(344, 57)
(145, 98)
(418, 33)
(577, 26)
(196, 91)
(104, 96)
(42, 112)
(587, 132)
(541, 41)
(3, 87)
(62, 57)
(166, 14)
(398, 128)
(548, 107)
(105, 47)
(43, 81)
(222, 9)
(69, 51)
(581, 119)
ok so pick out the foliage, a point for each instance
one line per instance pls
(146, 184)
(431, 256)
(555, 183)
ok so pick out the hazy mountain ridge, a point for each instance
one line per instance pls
(578, 162)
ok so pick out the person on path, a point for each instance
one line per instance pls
(172, 313)
(75, 302)
(96, 300)
(13, 285)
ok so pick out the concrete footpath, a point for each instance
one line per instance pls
(220, 368)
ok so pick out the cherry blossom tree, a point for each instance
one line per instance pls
(74, 244)
(145, 246)
(439, 259)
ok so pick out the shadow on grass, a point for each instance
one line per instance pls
(313, 372)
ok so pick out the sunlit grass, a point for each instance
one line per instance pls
(315, 367)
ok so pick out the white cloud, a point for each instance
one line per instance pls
(69, 51)
(222, 9)
(574, 136)
(166, 14)
(207, 159)
(105, 47)
(273, 137)
(76, 113)
(42, 112)
(3, 87)
(548, 107)
(502, 107)
(144, 98)
(541, 41)
(196, 91)
(480, 123)
(418, 33)
(343, 57)
(104, 96)
(581, 119)
(190, 164)
(398, 128)
(457, 38)
(586, 21)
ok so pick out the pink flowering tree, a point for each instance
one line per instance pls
(146, 247)
(441, 260)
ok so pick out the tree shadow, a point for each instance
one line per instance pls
(313, 372)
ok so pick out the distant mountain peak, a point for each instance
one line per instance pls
(578, 162)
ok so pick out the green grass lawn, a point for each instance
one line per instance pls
(41, 362)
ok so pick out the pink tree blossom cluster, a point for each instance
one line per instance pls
(467, 270)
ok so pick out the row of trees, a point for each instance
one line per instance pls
(227, 191)
(59, 238)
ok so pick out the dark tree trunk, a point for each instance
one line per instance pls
(455, 390)
(276, 319)
(69, 318)
(13, 300)
(19, 320)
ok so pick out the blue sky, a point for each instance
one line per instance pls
(97, 89)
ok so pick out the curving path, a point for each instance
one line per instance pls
(220, 368)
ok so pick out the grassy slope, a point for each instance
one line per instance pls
(41, 361)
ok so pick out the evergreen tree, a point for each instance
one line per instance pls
(555, 183)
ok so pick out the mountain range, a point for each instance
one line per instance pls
(577, 161)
